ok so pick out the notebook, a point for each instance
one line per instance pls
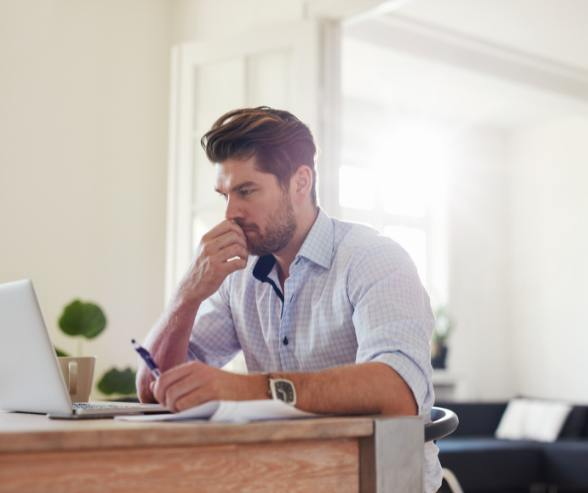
(30, 377)
(230, 412)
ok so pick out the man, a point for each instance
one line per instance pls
(331, 316)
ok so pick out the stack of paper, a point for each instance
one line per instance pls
(229, 411)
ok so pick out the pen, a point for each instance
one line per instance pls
(147, 358)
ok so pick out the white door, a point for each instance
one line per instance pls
(277, 67)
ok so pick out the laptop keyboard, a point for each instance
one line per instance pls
(105, 405)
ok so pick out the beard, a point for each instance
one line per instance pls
(281, 225)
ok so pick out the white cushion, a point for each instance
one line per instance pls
(528, 419)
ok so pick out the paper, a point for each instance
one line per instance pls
(229, 411)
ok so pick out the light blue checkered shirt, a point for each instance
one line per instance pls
(352, 296)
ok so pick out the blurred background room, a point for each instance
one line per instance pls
(457, 127)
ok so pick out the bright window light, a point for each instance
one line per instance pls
(356, 188)
(414, 241)
(409, 169)
(394, 178)
(199, 229)
(401, 190)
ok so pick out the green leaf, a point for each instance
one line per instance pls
(60, 352)
(82, 319)
(116, 381)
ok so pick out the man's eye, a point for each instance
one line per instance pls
(246, 191)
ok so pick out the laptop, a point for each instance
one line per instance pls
(30, 377)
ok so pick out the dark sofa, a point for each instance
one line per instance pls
(483, 463)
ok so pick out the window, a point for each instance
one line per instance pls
(392, 177)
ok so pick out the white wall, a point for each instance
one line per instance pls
(206, 20)
(83, 159)
(549, 230)
(546, 28)
(480, 349)
(518, 240)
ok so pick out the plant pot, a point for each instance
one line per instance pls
(439, 360)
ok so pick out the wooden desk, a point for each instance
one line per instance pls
(346, 454)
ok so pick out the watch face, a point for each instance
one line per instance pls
(284, 391)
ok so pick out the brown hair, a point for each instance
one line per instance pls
(280, 142)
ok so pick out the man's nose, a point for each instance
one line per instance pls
(233, 210)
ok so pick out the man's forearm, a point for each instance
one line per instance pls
(169, 338)
(167, 342)
(367, 388)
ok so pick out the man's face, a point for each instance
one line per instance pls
(258, 204)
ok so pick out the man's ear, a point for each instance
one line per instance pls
(302, 180)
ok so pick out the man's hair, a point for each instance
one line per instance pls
(278, 140)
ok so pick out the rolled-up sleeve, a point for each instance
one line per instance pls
(213, 340)
(392, 316)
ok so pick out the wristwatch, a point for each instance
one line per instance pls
(282, 389)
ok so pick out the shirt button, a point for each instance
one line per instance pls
(285, 341)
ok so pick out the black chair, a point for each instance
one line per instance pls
(443, 423)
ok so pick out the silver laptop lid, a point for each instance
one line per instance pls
(30, 378)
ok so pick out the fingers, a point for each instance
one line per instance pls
(225, 246)
(144, 384)
(194, 398)
(234, 265)
(194, 383)
(221, 229)
(178, 381)
(210, 267)
(187, 392)
(231, 251)
(179, 389)
(227, 239)
(167, 379)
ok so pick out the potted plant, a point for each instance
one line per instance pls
(86, 320)
(439, 343)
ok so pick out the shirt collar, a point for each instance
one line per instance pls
(318, 244)
(263, 267)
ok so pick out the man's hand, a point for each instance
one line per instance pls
(144, 382)
(223, 250)
(212, 265)
(195, 383)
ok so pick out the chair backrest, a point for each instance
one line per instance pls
(443, 423)
(476, 419)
